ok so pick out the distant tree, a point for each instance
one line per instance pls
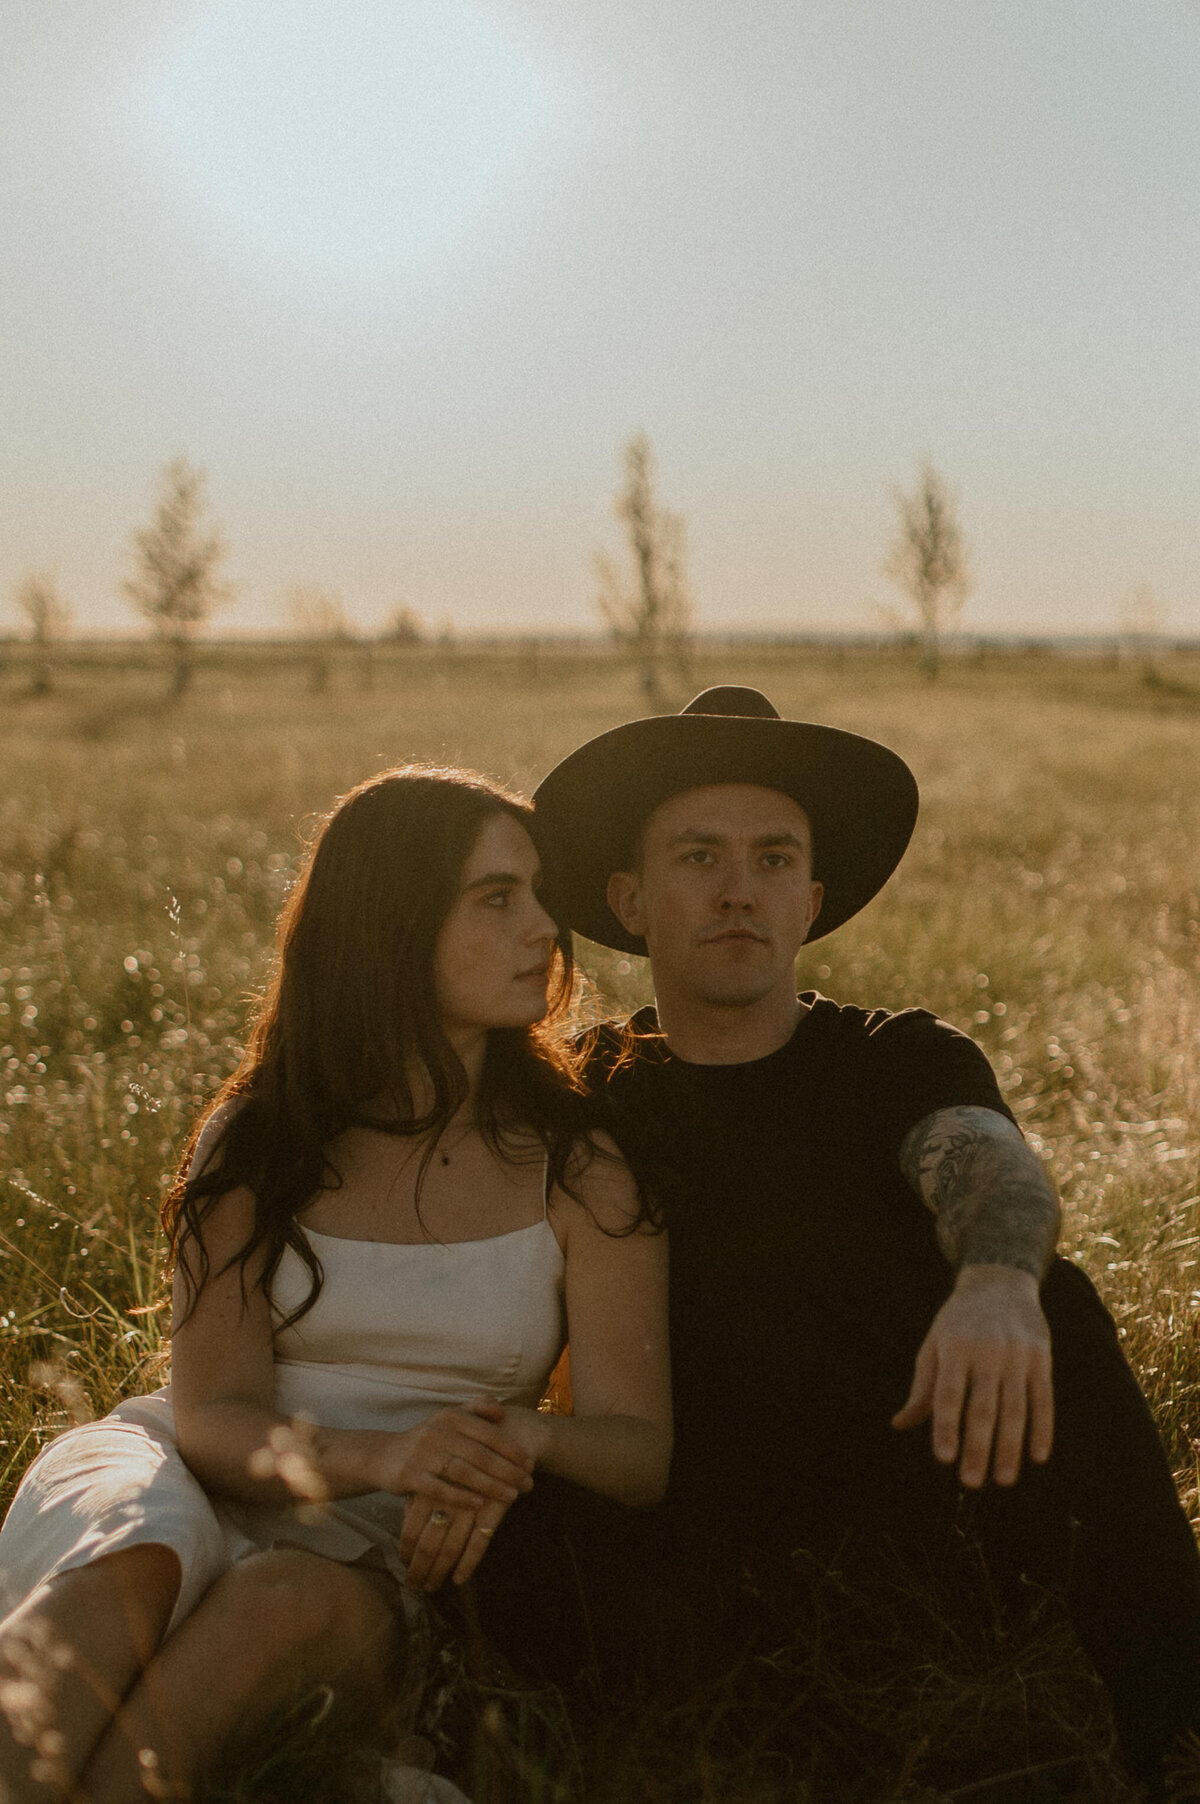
(650, 617)
(47, 617)
(404, 626)
(175, 584)
(928, 560)
(319, 616)
(1142, 619)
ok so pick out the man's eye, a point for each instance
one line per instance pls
(777, 860)
(699, 855)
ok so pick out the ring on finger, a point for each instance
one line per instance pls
(439, 1518)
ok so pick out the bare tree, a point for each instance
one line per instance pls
(48, 618)
(175, 585)
(1142, 621)
(651, 617)
(319, 616)
(928, 559)
(404, 626)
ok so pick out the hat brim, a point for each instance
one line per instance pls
(860, 798)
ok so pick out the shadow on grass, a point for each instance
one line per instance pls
(922, 1708)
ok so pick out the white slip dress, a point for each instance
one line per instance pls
(398, 1332)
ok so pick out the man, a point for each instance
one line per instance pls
(860, 1238)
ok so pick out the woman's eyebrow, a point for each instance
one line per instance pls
(492, 877)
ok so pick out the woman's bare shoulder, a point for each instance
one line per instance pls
(211, 1134)
(603, 1184)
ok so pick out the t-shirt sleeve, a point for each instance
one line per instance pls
(919, 1064)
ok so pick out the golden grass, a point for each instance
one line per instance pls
(1050, 904)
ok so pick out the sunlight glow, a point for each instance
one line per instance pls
(374, 134)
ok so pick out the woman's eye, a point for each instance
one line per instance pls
(497, 899)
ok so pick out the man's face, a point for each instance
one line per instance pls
(725, 894)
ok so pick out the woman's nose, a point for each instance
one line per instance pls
(542, 927)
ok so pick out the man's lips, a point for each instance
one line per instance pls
(735, 935)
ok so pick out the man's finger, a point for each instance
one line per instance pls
(978, 1432)
(949, 1396)
(919, 1401)
(1010, 1430)
(1041, 1410)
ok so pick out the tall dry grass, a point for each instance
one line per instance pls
(1050, 904)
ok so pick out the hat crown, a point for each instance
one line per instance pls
(731, 698)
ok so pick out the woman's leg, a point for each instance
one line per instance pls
(275, 1626)
(68, 1656)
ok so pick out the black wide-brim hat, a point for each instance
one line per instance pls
(860, 798)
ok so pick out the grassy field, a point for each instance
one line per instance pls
(1050, 904)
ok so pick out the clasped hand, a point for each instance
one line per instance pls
(983, 1374)
(447, 1526)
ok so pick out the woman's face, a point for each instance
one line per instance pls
(491, 964)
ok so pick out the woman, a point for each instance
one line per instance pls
(391, 1218)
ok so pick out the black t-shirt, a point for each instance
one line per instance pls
(804, 1269)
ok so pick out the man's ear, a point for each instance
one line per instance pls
(624, 894)
(816, 897)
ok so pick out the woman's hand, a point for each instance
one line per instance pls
(529, 1428)
(436, 1543)
(456, 1460)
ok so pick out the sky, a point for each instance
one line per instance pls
(404, 276)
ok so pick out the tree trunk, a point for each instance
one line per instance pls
(182, 679)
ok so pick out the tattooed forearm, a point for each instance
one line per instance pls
(993, 1201)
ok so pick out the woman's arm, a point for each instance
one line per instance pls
(237, 1442)
(618, 1440)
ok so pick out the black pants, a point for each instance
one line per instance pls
(656, 1599)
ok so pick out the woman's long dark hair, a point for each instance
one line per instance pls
(350, 1012)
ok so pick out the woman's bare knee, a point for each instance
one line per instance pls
(69, 1654)
(298, 1599)
(113, 1611)
(147, 1579)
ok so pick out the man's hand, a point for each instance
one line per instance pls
(983, 1374)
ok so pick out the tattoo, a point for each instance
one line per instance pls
(993, 1201)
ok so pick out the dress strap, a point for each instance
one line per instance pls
(547, 1187)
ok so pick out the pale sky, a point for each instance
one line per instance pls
(404, 275)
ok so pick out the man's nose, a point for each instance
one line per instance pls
(737, 890)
